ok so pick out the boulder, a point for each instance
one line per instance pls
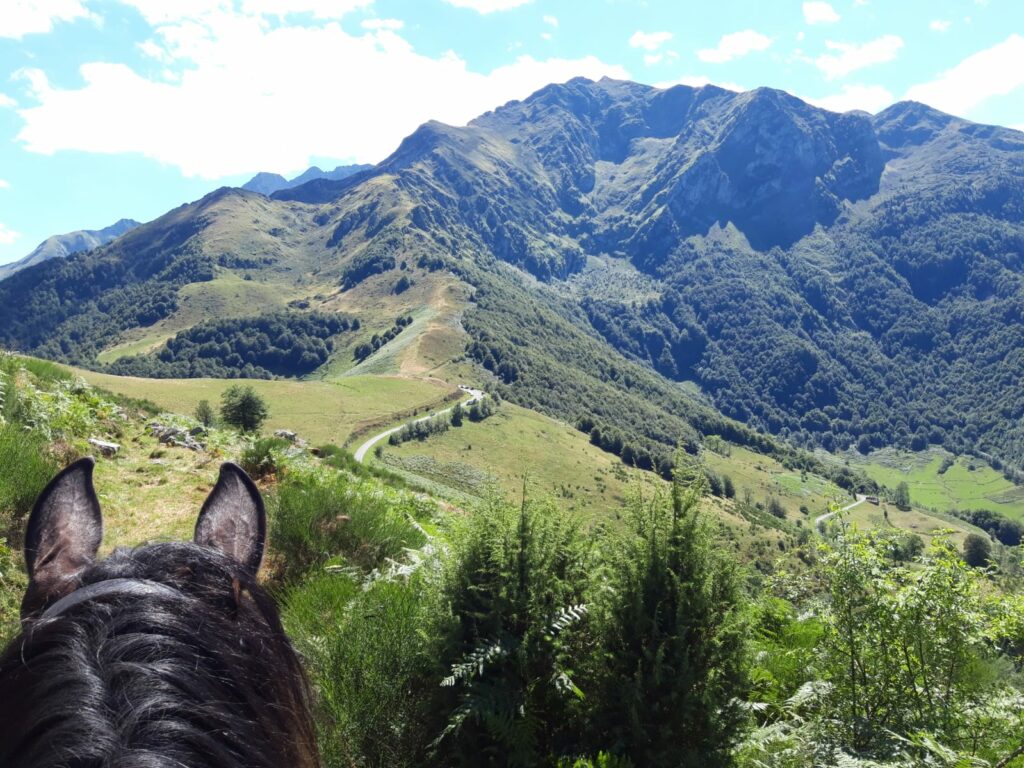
(105, 448)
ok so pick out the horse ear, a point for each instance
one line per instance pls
(64, 532)
(233, 519)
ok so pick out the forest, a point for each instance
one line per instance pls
(261, 347)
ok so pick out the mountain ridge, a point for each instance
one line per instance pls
(269, 183)
(60, 246)
(825, 277)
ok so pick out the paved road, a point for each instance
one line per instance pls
(821, 519)
(361, 451)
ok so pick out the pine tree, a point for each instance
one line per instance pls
(669, 668)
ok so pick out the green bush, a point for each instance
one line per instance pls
(514, 588)
(316, 517)
(263, 457)
(242, 407)
(670, 663)
(374, 657)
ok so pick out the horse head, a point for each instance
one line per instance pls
(167, 654)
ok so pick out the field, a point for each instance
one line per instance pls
(319, 411)
(966, 484)
(516, 444)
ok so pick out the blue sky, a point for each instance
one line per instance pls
(127, 108)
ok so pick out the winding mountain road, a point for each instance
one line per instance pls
(474, 395)
(821, 519)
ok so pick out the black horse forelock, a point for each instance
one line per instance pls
(202, 676)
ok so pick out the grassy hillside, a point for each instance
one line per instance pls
(320, 411)
(938, 480)
(516, 444)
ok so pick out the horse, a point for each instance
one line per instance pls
(169, 654)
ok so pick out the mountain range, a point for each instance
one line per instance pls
(59, 246)
(653, 264)
(269, 183)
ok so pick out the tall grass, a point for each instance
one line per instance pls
(25, 469)
(373, 658)
(321, 517)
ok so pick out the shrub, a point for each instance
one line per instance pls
(243, 408)
(977, 550)
(262, 458)
(204, 413)
(317, 517)
(514, 589)
(373, 653)
(669, 665)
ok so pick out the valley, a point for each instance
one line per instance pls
(604, 376)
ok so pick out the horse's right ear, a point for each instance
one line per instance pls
(64, 532)
(233, 519)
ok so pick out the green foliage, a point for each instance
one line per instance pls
(900, 667)
(1006, 531)
(367, 348)
(670, 664)
(320, 517)
(904, 648)
(456, 419)
(901, 497)
(420, 429)
(243, 408)
(26, 470)
(204, 413)
(12, 586)
(373, 654)
(977, 550)
(514, 590)
(70, 309)
(481, 408)
(372, 262)
(263, 456)
(603, 760)
(277, 344)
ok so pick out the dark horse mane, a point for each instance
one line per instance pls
(165, 655)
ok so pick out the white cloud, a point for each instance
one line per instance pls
(870, 98)
(7, 235)
(7, 101)
(246, 96)
(551, 20)
(818, 12)
(734, 45)
(26, 17)
(849, 57)
(5, 184)
(392, 24)
(320, 9)
(546, 36)
(994, 71)
(488, 6)
(698, 81)
(650, 59)
(649, 41)
(939, 25)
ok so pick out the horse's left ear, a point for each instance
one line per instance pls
(63, 534)
(233, 519)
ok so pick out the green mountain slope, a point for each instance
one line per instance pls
(835, 279)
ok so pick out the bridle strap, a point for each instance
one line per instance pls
(127, 587)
